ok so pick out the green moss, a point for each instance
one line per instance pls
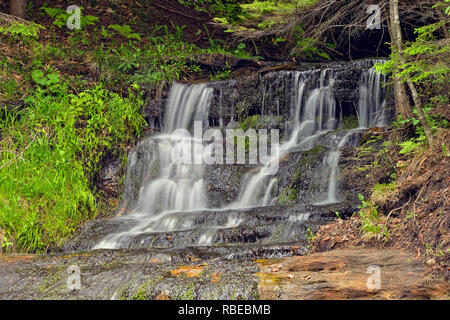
(140, 294)
(382, 191)
(349, 122)
(288, 196)
(145, 291)
(385, 188)
(54, 280)
(189, 294)
(251, 122)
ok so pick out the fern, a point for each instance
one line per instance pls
(125, 31)
(20, 30)
(60, 17)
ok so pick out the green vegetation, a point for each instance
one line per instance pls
(16, 30)
(309, 237)
(251, 122)
(372, 224)
(50, 154)
(61, 17)
(423, 64)
(349, 122)
(381, 191)
(288, 196)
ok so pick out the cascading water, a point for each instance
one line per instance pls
(171, 209)
(177, 187)
(372, 99)
(314, 114)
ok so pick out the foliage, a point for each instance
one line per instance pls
(19, 30)
(226, 9)
(372, 225)
(125, 31)
(350, 122)
(309, 237)
(382, 191)
(44, 80)
(264, 15)
(51, 154)
(61, 16)
(425, 63)
(262, 9)
(220, 74)
(251, 122)
(288, 196)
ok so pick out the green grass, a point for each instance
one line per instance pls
(372, 224)
(50, 154)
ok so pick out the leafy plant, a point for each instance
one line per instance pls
(125, 31)
(61, 16)
(6, 244)
(372, 225)
(44, 80)
(19, 30)
(309, 237)
(51, 156)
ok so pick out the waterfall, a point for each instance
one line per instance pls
(371, 99)
(186, 104)
(177, 187)
(314, 114)
(172, 198)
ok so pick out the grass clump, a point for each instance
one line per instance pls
(51, 152)
(372, 224)
(382, 191)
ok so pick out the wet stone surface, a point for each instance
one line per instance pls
(186, 274)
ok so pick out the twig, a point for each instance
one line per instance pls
(420, 192)
(177, 12)
(18, 155)
(387, 219)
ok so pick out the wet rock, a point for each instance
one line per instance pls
(222, 61)
(109, 177)
(142, 166)
(135, 275)
(154, 274)
(296, 175)
(223, 183)
(270, 225)
(348, 274)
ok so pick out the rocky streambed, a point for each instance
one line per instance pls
(205, 273)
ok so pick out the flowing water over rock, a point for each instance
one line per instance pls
(168, 205)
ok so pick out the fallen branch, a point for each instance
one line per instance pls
(176, 12)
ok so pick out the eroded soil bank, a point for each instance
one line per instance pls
(153, 274)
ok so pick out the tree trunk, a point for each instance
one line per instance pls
(403, 106)
(18, 8)
(397, 31)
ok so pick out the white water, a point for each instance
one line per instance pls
(371, 100)
(370, 113)
(314, 114)
(178, 187)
